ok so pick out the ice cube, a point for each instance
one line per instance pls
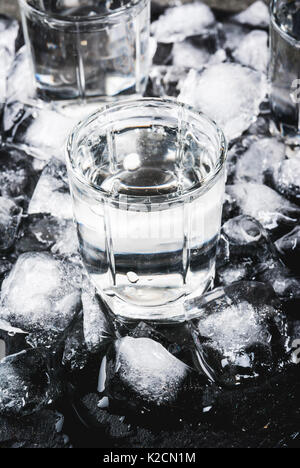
(286, 286)
(10, 217)
(240, 333)
(37, 129)
(66, 243)
(246, 253)
(262, 155)
(284, 176)
(253, 51)
(25, 384)
(148, 370)
(43, 232)
(97, 330)
(256, 15)
(243, 248)
(183, 21)
(273, 211)
(17, 175)
(228, 93)
(41, 296)
(288, 248)
(20, 84)
(245, 235)
(52, 192)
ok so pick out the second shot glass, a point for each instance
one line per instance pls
(83, 49)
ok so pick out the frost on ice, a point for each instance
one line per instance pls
(228, 93)
(149, 370)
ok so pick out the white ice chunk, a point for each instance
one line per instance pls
(149, 369)
(234, 327)
(261, 155)
(228, 93)
(263, 203)
(256, 15)
(187, 55)
(40, 293)
(253, 51)
(183, 21)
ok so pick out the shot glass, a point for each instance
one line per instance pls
(147, 179)
(284, 70)
(84, 49)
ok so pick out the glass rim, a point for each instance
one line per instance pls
(113, 15)
(292, 40)
(205, 184)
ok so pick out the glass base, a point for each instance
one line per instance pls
(173, 312)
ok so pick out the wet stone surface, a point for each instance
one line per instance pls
(70, 375)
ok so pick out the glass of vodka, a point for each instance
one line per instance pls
(147, 179)
(284, 70)
(83, 49)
